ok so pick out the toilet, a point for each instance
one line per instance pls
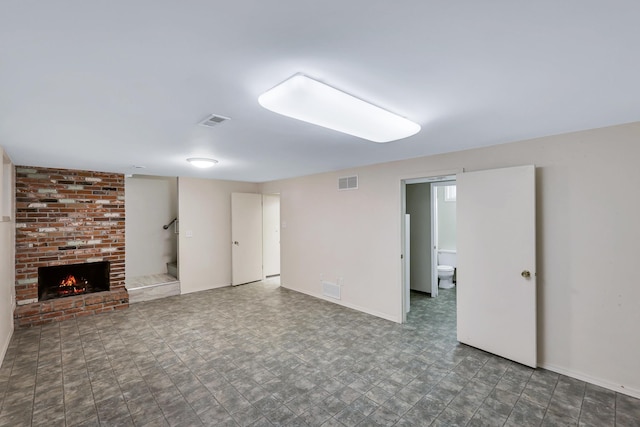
(446, 268)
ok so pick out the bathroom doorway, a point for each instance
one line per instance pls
(443, 210)
(429, 240)
(495, 209)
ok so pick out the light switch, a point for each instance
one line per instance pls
(188, 233)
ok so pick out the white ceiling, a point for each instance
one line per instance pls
(105, 85)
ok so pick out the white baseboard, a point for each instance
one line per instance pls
(347, 304)
(5, 344)
(593, 380)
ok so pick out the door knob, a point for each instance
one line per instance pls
(526, 274)
(236, 243)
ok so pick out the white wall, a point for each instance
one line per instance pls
(204, 208)
(418, 199)
(151, 202)
(271, 234)
(346, 237)
(588, 297)
(7, 254)
(446, 222)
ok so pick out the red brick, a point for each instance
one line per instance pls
(84, 313)
(73, 221)
(27, 310)
(62, 304)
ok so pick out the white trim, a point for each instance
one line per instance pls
(450, 193)
(440, 180)
(450, 180)
(153, 285)
(433, 249)
(592, 380)
(5, 345)
(348, 305)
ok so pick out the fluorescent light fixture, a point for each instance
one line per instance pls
(201, 162)
(303, 98)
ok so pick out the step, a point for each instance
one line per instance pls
(155, 286)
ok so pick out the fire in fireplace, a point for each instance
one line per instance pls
(73, 279)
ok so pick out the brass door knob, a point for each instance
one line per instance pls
(526, 274)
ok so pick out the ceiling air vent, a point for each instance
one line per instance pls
(348, 183)
(213, 120)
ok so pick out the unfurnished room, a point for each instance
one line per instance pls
(293, 213)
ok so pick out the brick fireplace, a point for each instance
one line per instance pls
(63, 218)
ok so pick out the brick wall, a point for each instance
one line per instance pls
(67, 217)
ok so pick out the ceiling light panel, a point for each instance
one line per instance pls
(202, 162)
(303, 98)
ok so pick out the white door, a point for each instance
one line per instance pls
(496, 281)
(246, 236)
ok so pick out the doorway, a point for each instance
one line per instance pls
(255, 238)
(271, 238)
(496, 248)
(151, 229)
(429, 229)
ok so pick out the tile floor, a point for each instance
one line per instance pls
(261, 355)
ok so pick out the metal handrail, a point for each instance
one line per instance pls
(169, 225)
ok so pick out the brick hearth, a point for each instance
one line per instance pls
(68, 217)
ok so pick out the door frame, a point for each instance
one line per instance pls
(264, 276)
(419, 178)
(407, 260)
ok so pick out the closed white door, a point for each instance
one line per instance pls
(246, 236)
(496, 278)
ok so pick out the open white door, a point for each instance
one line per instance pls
(246, 236)
(496, 283)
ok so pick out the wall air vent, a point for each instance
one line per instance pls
(330, 289)
(348, 183)
(213, 120)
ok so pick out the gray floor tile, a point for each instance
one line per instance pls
(558, 420)
(486, 417)
(262, 355)
(597, 413)
(349, 416)
(561, 407)
(315, 416)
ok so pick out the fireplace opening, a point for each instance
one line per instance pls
(74, 279)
